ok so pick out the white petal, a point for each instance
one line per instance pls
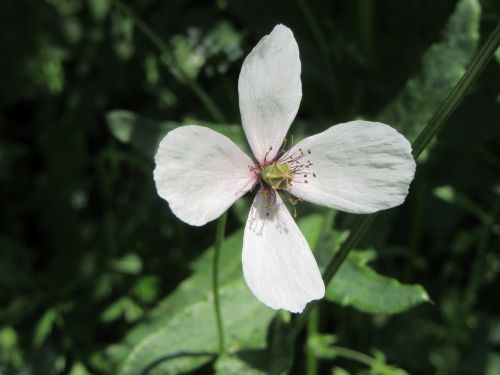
(278, 265)
(270, 91)
(361, 167)
(201, 173)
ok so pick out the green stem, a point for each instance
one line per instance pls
(423, 139)
(219, 238)
(476, 277)
(312, 330)
(313, 321)
(207, 102)
(160, 45)
(357, 233)
(354, 355)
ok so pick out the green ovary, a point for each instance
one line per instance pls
(278, 176)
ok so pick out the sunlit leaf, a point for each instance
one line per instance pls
(233, 365)
(140, 132)
(44, 327)
(190, 339)
(359, 286)
(197, 289)
(129, 263)
(190, 52)
(124, 307)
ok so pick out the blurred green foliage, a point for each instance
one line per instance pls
(97, 276)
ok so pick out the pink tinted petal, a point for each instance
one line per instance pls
(270, 91)
(278, 265)
(360, 167)
(201, 173)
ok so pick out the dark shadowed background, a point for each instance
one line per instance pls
(91, 258)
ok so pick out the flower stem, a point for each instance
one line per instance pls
(422, 141)
(312, 330)
(479, 263)
(354, 355)
(164, 51)
(314, 317)
(219, 238)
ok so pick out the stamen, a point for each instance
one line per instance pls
(267, 153)
(280, 174)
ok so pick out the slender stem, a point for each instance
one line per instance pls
(422, 141)
(207, 101)
(314, 317)
(312, 330)
(354, 355)
(357, 233)
(476, 277)
(219, 238)
(162, 47)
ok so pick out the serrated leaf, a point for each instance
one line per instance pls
(442, 66)
(190, 339)
(197, 288)
(359, 286)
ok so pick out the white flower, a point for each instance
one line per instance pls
(358, 167)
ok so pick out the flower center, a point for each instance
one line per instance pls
(277, 175)
(286, 169)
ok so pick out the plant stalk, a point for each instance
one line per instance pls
(219, 238)
(424, 138)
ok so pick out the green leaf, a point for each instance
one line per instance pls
(99, 8)
(340, 371)
(359, 286)
(443, 64)
(321, 345)
(140, 132)
(197, 289)
(129, 264)
(44, 327)
(233, 365)
(123, 307)
(190, 53)
(189, 339)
